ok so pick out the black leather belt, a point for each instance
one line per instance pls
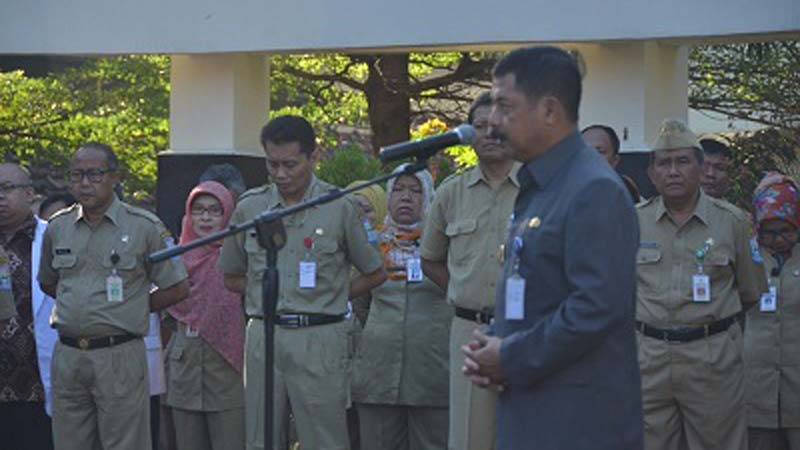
(303, 320)
(83, 343)
(689, 334)
(473, 315)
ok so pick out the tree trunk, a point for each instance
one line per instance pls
(388, 98)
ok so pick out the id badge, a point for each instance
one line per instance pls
(114, 288)
(701, 288)
(308, 275)
(413, 270)
(515, 298)
(192, 332)
(769, 300)
(5, 278)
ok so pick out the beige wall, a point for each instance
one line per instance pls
(206, 26)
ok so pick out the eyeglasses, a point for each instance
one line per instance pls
(93, 175)
(787, 235)
(8, 187)
(213, 211)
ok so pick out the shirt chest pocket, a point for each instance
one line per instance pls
(718, 266)
(647, 268)
(461, 235)
(64, 263)
(126, 266)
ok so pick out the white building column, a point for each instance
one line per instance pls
(218, 104)
(632, 87)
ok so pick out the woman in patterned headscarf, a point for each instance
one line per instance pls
(205, 355)
(401, 376)
(772, 336)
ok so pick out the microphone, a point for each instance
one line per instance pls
(427, 147)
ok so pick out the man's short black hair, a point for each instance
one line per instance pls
(612, 135)
(111, 157)
(540, 71)
(227, 175)
(715, 147)
(287, 129)
(485, 99)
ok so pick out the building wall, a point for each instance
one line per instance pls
(207, 26)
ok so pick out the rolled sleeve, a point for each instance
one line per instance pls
(232, 257)
(750, 276)
(359, 251)
(47, 275)
(434, 240)
(169, 272)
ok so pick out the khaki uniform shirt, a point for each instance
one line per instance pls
(666, 263)
(339, 240)
(8, 308)
(77, 258)
(772, 351)
(200, 379)
(403, 352)
(466, 226)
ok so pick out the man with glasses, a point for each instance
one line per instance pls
(26, 339)
(94, 261)
(696, 275)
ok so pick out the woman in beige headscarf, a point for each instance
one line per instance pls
(400, 380)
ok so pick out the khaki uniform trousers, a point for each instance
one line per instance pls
(101, 398)
(209, 430)
(312, 369)
(400, 427)
(472, 409)
(693, 393)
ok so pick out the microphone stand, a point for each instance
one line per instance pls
(272, 237)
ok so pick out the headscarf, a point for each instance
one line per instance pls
(777, 201)
(400, 242)
(210, 308)
(376, 197)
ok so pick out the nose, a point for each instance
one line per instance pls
(493, 121)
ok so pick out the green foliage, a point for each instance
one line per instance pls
(121, 101)
(757, 82)
(348, 164)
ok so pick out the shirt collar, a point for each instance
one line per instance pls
(543, 169)
(476, 175)
(700, 209)
(275, 200)
(112, 212)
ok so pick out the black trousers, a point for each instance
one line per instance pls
(25, 426)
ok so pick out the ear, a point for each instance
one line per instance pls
(553, 110)
(615, 160)
(315, 156)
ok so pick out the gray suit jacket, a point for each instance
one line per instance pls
(571, 362)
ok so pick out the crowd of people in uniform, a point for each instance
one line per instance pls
(525, 303)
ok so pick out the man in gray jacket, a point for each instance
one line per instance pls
(564, 350)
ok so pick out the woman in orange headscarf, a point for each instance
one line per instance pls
(205, 355)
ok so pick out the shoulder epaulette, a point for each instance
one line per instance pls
(141, 212)
(254, 191)
(729, 207)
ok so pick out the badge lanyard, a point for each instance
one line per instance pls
(414, 266)
(114, 281)
(515, 285)
(701, 284)
(769, 299)
(308, 267)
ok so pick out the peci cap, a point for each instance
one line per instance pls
(674, 134)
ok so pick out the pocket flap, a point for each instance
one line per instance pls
(64, 261)
(648, 256)
(461, 227)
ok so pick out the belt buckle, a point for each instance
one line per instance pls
(483, 318)
(292, 320)
(83, 343)
(303, 320)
